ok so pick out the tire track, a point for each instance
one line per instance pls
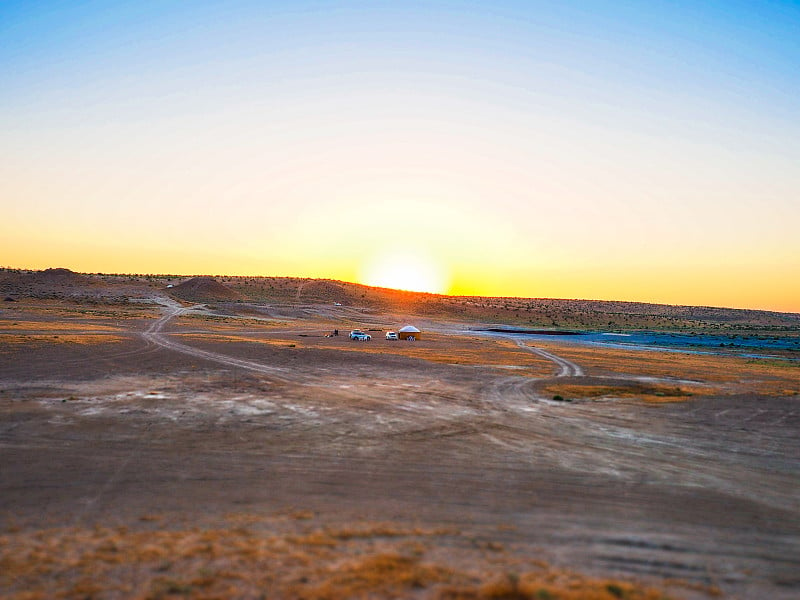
(566, 367)
(154, 335)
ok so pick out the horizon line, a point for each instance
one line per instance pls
(444, 295)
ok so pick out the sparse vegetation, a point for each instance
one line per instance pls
(533, 312)
(244, 560)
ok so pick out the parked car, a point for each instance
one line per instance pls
(359, 336)
(392, 335)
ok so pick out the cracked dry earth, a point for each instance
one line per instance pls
(266, 434)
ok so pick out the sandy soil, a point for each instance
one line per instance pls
(199, 433)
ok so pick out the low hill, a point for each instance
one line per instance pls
(50, 283)
(322, 290)
(204, 289)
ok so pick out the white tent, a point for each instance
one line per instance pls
(408, 332)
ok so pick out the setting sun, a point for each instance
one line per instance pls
(405, 270)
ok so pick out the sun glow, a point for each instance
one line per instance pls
(405, 270)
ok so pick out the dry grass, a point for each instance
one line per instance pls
(13, 326)
(233, 338)
(35, 309)
(32, 342)
(551, 585)
(457, 350)
(460, 350)
(438, 348)
(257, 557)
(383, 575)
(655, 393)
(225, 323)
(734, 374)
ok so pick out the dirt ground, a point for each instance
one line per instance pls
(171, 450)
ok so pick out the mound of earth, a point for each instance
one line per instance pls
(63, 277)
(204, 289)
(49, 277)
(320, 289)
(50, 283)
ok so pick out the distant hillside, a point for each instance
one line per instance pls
(50, 283)
(520, 312)
(533, 312)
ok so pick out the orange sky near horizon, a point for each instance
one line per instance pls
(701, 285)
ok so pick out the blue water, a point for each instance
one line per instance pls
(700, 341)
(756, 346)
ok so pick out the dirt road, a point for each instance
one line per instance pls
(154, 335)
(706, 491)
(566, 368)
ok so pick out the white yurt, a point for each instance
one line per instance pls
(409, 332)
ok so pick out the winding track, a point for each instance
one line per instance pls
(154, 335)
(566, 368)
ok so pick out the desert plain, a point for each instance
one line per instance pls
(167, 437)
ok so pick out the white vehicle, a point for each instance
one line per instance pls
(392, 335)
(359, 336)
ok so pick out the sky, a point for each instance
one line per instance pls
(643, 151)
